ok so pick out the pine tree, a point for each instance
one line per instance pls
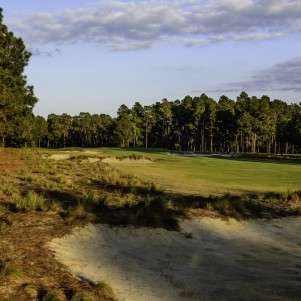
(16, 97)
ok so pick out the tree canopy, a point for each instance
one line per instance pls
(16, 97)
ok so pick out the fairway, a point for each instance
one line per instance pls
(210, 175)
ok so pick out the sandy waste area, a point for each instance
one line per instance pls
(210, 259)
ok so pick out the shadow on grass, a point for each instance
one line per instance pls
(152, 207)
(157, 208)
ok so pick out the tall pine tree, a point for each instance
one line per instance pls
(16, 96)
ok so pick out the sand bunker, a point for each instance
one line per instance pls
(92, 160)
(253, 260)
(60, 157)
(113, 160)
(67, 155)
(89, 152)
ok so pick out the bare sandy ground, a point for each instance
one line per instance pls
(59, 157)
(127, 160)
(223, 260)
(67, 155)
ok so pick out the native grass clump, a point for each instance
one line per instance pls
(81, 296)
(13, 272)
(244, 206)
(106, 289)
(54, 295)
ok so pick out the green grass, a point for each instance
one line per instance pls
(209, 175)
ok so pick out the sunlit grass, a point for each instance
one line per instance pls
(209, 175)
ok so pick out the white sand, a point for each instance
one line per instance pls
(113, 160)
(67, 155)
(93, 160)
(254, 260)
(59, 157)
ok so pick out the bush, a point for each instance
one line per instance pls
(13, 272)
(88, 201)
(81, 296)
(31, 202)
(231, 206)
(54, 295)
(106, 289)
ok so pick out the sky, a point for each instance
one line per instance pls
(93, 56)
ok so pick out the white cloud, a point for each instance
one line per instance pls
(122, 25)
(285, 76)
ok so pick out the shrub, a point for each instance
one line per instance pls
(209, 206)
(88, 201)
(10, 220)
(155, 189)
(188, 235)
(106, 289)
(54, 295)
(78, 214)
(13, 272)
(3, 225)
(103, 201)
(81, 296)
(155, 213)
(54, 206)
(31, 202)
(3, 209)
(230, 206)
(9, 190)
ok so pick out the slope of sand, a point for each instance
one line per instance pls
(253, 260)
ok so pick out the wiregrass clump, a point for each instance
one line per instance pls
(32, 201)
(229, 206)
(54, 295)
(81, 296)
(88, 201)
(3, 209)
(106, 289)
(156, 213)
(13, 272)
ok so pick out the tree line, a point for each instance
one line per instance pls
(249, 124)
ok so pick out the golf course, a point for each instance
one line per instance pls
(148, 224)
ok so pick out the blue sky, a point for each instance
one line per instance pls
(92, 56)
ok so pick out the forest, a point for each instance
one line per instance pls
(200, 123)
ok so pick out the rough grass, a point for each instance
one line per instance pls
(32, 201)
